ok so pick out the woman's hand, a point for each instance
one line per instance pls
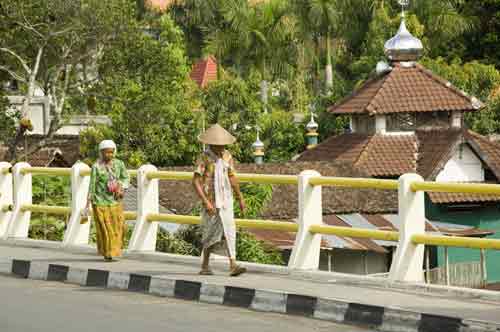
(210, 208)
(243, 206)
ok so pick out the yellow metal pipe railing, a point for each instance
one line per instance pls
(46, 209)
(354, 182)
(168, 175)
(131, 172)
(354, 232)
(130, 215)
(244, 223)
(456, 241)
(57, 171)
(243, 177)
(472, 188)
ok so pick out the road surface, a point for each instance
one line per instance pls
(41, 306)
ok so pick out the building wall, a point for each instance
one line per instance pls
(354, 261)
(464, 166)
(485, 217)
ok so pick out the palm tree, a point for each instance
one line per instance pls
(320, 20)
(442, 20)
(261, 35)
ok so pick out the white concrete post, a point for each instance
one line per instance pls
(20, 221)
(144, 234)
(76, 233)
(306, 250)
(5, 197)
(408, 262)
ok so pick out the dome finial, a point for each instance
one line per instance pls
(403, 46)
(258, 147)
(403, 4)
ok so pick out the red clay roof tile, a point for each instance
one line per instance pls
(405, 89)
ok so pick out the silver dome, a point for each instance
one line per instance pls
(312, 125)
(258, 144)
(403, 46)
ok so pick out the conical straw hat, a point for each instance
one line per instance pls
(216, 135)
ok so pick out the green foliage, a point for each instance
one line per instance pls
(176, 244)
(256, 198)
(151, 105)
(478, 80)
(49, 190)
(231, 102)
(8, 118)
(249, 249)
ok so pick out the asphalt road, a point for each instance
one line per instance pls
(28, 305)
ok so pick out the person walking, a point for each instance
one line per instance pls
(108, 180)
(214, 181)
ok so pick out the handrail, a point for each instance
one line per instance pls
(169, 175)
(243, 177)
(131, 172)
(244, 223)
(130, 215)
(456, 241)
(59, 171)
(46, 209)
(472, 188)
(354, 182)
(354, 232)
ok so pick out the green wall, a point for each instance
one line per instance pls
(487, 217)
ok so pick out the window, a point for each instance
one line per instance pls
(489, 176)
(401, 122)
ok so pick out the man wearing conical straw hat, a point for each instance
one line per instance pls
(214, 181)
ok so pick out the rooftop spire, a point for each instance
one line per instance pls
(403, 46)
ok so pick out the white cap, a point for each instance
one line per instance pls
(107, 144)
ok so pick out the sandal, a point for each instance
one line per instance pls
(206, 272)
(237, 271)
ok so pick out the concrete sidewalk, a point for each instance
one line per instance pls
(321, 295)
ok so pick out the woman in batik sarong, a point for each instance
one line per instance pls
(214, 181)
(108, 180)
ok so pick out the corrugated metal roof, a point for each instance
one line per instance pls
(379, 221)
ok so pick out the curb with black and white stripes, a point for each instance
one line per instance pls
(380, 318)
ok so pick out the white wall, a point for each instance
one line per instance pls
(464, 166)
(38, 112)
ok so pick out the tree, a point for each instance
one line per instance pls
(444, 23)
(8, 118)
(479, 80)
(261, 36)
(52, 46)
(146, 92)
(321, 18)
(483, 41)
(231, 103)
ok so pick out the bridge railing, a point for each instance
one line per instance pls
(16, 207)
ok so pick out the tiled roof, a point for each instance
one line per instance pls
(63, 151)
(377, 155)
(342, 148)
(204, 71)
(389, 155)
(487, 150)
(446, 198)
(425, 152)
(434, 150)
(406, 89)
(179, 196)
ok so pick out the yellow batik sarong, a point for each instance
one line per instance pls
(110, 229)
